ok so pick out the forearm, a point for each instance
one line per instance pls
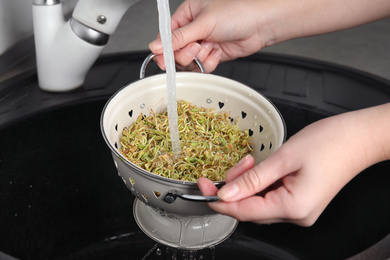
(289, 19)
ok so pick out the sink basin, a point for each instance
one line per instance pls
(61, 197)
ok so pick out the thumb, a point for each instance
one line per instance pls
(258, 178)
(191, 32)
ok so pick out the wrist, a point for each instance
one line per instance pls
(376, 132)
(278, 22)
(368, 136)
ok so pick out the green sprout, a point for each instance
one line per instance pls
(210, 144)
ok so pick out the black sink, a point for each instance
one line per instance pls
(61, 198)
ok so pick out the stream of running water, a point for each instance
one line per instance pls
(166, 37)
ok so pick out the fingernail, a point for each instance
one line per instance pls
(159, 60)
(243, 160)
(156, 45)
(208, 45)
(194, 50)
(217, 53)
(229, 191)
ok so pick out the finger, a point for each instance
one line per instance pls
(181, 37)
(156, 46)
(184, 27)
(184, 15)
(183, 58)
(212, 61)
(159, 60)
(188, 24)
(256, 179)
(190, 67)
(206, 48)
(242, 166)
(207, 187)
(268, 209)
(280, 205)
(209, 63)
(184, 35)
(186, 56)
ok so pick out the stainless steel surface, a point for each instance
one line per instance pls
(46, 2)
(88, 34)
(199, 198)
(101, 19)
(152, 55)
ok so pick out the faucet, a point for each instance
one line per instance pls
(66, 50)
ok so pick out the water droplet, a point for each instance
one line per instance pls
(209, 101)
(142, 105)
(158, 251)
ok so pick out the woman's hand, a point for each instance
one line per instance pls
(299, 180)
(213, 31)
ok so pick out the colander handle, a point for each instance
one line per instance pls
(152, 55)
(173, 194)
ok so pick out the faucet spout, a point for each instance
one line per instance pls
(66, 50)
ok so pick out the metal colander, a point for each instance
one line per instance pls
(169, 197)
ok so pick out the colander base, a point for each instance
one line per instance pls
(183, 232)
